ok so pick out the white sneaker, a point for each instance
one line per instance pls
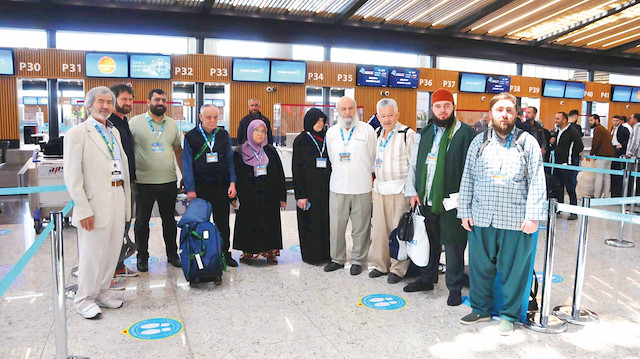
(109, 303)
(92, 311)
(117, 284)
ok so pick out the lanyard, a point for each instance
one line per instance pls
(345, 144)
(209, 141)
(435, 130)
(153, 129)
(317, 146)
(256, 154)
(508, 144)
(387, 141)
(111, 146)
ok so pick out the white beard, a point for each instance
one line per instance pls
(348, 122)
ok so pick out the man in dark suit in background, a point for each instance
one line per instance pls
(567, 144)
(619, 140)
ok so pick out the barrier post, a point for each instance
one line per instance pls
(57, 261)
(635, 184)
(542, 322)
(619, 242)
(574, 314)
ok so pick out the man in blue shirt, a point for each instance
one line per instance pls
(209, 172)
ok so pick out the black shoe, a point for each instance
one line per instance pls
(417, 286)
(376, 273)
(355, 269)
(217, 280)
(229, 260)
(393, 278)
(332, 266)
(175, 262)
(572, 217)
(143, 266)
(455, 298)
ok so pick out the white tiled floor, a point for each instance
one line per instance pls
(295, 310)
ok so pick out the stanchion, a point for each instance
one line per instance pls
(542, 322)
(59, 308)
(619, 242)
(635, 184)
(574, 314)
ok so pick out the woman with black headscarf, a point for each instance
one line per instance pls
(311, 170)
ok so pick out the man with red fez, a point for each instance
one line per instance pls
(433, 182)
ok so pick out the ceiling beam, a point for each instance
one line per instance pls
(471, 19)
(624, 47)
(581, 24)
(207, 6)
(355, 6)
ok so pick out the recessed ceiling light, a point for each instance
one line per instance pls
(614, 35)
(523, 16)
(500, 16)
(548, 17)
(454, 13)
(400, 10)
(428, 11)
(375, 9)
(605, 30)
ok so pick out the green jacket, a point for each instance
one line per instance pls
(451, 231)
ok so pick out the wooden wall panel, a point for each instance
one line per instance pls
(368, 97)
(550, 106)
(241, 92)
(49, 63)
(470, 106)
(315, 73)
(9, 125)
(526, 86)
(201, 68)
(141, 88)
(339, 74)
(598, 92)
(620, 108)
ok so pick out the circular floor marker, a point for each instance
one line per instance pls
(554, 279)
(154, 329)
(383, 301)
(295, 248)
(4, 232)
(132, 261)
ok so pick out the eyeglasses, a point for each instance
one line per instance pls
(260, 131)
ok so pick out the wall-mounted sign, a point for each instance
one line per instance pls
(100, 64)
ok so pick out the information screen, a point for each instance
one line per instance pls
(150, 66)
(621, 94)
(250, 70)
(635, 94)
(575, 90)
(293, 72)
(376, 76)
(100, 64)
(214, 101)
(553, 88)
(29, 100)
(403, 78)
(498, 84)
(472, 82)
(6, 62)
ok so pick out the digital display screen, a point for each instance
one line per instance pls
(403, 78)
(215, 102)
(42, 101)
(30, 100)
(6, 62)
(498, 84)
(376, 76)
(472, 82)
(553, 88)
(150, 66)
(635, 94)
(294, 72)
(621, 94)
(575, 90)
(250, 70)
(99, 64)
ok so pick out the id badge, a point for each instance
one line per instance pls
(321, 163)
(432, 159)
(260, 170)
(345, 156)
(378, 162)
(116, 170)
(157, 146)
(498, 178)
(212, 157)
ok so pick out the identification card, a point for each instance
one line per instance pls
(498, 178)
(157, 146)
(260, 170)
(199, 261)
(345, 156)
(212, 157)
(432, 159)
(116, 170)
(321, 163)
(378, 162)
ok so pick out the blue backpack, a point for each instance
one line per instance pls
(200, 244)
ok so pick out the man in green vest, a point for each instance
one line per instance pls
(434, 178)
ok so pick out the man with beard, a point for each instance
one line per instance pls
(537, 131)
(124, 101)
(351, 146)
(601, 146)
(502, 198)
(567, 145)
(157, 146)
(254, 113)
(436, 168)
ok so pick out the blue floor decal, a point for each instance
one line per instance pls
(154, 329)
(383, 301)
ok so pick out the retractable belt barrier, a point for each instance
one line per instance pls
(612, 159)
(584, 169)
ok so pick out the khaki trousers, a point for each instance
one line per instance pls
(356, 207)
(387, 210)
(98, 251)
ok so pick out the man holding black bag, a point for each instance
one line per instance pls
(436, 169)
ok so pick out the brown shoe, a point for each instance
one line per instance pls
(272, 260)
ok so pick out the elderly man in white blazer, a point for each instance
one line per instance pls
(96, 173)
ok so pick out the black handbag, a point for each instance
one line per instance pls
(405, 226)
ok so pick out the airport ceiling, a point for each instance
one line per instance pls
(591, 34)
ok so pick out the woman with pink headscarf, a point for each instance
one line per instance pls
(261, 194)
